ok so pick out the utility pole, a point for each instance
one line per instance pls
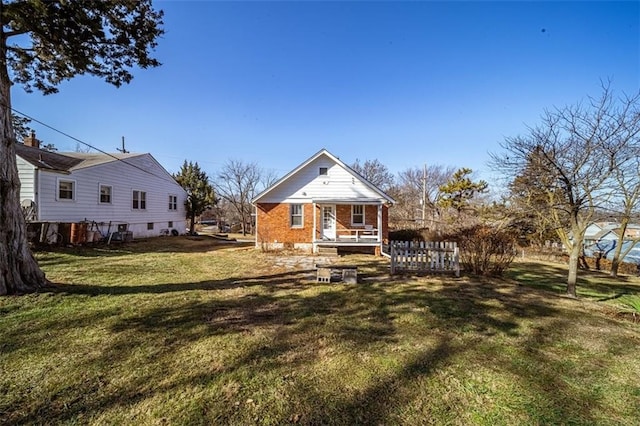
(424, 193)
(122, 150)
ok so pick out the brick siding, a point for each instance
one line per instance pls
(274, 222)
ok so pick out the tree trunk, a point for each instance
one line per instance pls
(574, 257)
(192, 219)
(19, 271)
(615, 262)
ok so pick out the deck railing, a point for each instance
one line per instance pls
(357, 235)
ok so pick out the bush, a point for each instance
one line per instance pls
(485, 250)
(406, 235)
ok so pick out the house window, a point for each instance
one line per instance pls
(357, 214)
(66, 189)
(105, 194)
(323, 171)
(170, 224)
(296, 215)
(150, 226)
(173, 202)
(139, 200)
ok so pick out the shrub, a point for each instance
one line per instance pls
(406, 235)
(485, 250)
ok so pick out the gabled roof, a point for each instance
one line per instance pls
(67, 161)
(605, 232)
(91, 159)
(45, 159)
(324, 152)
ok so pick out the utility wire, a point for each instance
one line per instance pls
(88, 145)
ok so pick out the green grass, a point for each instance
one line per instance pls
(192, 331)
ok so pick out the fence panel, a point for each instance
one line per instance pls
(424, 256)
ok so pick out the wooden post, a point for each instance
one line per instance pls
(393, 255)
(456, 259)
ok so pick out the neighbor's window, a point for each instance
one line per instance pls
(150, 226)
(173, 202)
(139, 200)
(323, 171)
(296, 215)
(66, 189)
(357, 214)
(105, 194)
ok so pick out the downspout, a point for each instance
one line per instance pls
(257, 228)
(36, 190)
(313, 230)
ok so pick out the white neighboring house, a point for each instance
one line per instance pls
(117, 189)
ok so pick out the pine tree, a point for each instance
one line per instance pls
(200, 194)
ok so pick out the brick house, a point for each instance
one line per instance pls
(322, 203)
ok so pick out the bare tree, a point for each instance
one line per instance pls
(375, 172)
(574, 150)
(267, 178)
(417, 192)
(237, 183)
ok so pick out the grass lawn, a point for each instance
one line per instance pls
(183, 330)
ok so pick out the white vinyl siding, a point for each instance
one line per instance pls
(27, 173)
(308, 184)
(296, 212)
(148, 176)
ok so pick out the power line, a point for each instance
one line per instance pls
(87, 144)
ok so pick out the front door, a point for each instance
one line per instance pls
(328, 222)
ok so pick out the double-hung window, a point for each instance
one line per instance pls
(139, 200)
(173, 202)
(296, 213)
(66, 190)
(105, 194)
(357, 214)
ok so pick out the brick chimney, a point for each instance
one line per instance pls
(31, 140)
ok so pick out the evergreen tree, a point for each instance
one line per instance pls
(460, 190)
(200, 194)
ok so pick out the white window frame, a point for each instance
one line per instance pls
(100, 186)
(141, 202)
(354, 214)
(173, 202)
(73, 190)
(293, 214)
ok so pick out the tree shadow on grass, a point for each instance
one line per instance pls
(181, 244)
(292, 280)
(279, 325)
(594, 284)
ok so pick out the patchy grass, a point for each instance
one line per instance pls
(196, 331)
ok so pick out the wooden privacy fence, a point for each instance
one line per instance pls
(424, 256)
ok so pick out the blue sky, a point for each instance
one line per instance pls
(407, 83)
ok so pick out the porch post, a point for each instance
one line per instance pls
(379, 222)
(313, 231)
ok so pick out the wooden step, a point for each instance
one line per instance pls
(328, 251)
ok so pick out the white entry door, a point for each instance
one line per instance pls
(328, 222)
